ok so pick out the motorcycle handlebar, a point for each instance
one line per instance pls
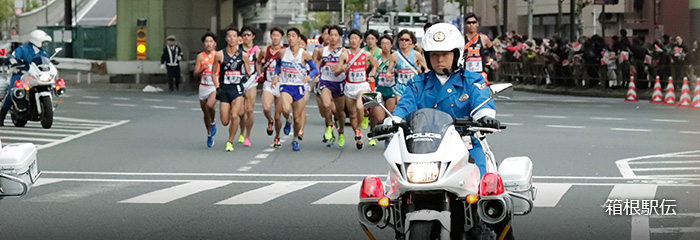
(382, 130)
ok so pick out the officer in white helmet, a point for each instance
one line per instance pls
(451, 89)
(24, 55)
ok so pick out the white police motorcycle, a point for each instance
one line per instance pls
(18, 169)
(433, 190)
(33, 95)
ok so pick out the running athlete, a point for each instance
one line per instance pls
(385, 82)
(250, 86)
(207, 86)
(270, 93)
(292, 77)
(324, 40)
(371, 38)
(231, 62)
(332, 81)
(478, 48)
(408, 63)
(307, 85)
(357, 83)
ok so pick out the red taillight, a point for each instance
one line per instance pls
(372, 188)
(3, 52)
(491, 185)
(18, 84)
(60, 83)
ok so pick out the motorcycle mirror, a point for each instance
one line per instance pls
(56, 52)
(374, 99)
(494, 90)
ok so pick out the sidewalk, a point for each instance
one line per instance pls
(86, 80)
(617, 92)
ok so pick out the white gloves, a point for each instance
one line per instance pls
(162, 66)
(391, 120)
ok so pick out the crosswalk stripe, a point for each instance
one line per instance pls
(173, 193)
(46, 181)
(549, 194)
(34, 133)
(29, 139)
(266, 194)
(640, 224)
(347, 196)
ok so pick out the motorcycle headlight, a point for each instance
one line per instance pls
(45, 77)
(422, 172)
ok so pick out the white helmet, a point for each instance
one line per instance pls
(38, 37)
(443, 37)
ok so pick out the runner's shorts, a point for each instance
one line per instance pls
(251, 83)
(296, 91)
(267, 87)
(205, 91)
(230, 92)
(387, 92)
(399, 88)
(353, 89)
(336, 88)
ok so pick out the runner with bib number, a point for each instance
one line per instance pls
(408, 63)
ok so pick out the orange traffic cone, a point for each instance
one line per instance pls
(685, 95)
(696, 98)
(670, 98)
(631, 92)
(657, 96)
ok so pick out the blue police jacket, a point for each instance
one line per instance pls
(462, 93)
(25, 54)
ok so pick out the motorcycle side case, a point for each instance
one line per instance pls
(18, 160)
(4, 84)
(516, 173)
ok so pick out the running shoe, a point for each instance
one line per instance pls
(213, 129)
(269, 128)
(241, 138)
(210, 141)
(295, 146)
(229, 147)
(372, 142)
(329, 133)
(277, 143)
(301, 135)
(287, 128)
(358, 139)
(365, 123)
(341, 140)
(329, 143)
(246, 142)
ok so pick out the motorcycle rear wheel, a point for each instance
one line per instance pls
(46, 112)
(422, 230)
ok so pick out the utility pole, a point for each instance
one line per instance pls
(68, 24)
(572, 21)
(505, 16)
(529, 18)
(603, 22)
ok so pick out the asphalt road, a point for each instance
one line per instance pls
(132, 165)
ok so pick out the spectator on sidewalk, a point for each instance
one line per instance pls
(172, 54)
(678, 55)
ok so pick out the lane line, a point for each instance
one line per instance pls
(91, 97)
(176, 192)
(675, 230)
(347, 196)
(631, 129)
(123, 105)
(262, 155)
(82, 120)
(609, 119)
(254, 162)
(34, 133)
(669, 120)
(244, 169)
(553, 117)
(82, 134)
(512, 124)
(678, 215)
(164, 107)
(121, 98)
(152, 100)
(689, 132)
(266, 194)
(666, 162)
(549, 194)
(665, 169)
(565, 126)
(29, 139)
(87, 103)
(45, 181)
(269, 150)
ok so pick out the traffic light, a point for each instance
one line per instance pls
(141, 39)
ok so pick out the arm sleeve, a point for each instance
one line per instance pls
(312, 65)
(278, 67)
(163, 57)
(409, 101)
(479, 92)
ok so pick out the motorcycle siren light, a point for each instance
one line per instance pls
(60, 83)
(491, 185)
(372, 188)
(3, 52)
(471, 198)
(18, 84)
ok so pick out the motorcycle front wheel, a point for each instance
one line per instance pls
(46, 112)
(422, 230)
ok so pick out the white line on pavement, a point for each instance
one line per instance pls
(640, 224)
(87, 103)
(666, 162)
(689, 132)
(347, 196)
(82, 120)
(554, 117)
(164, 107)
(265, 194)
(504, 115)
(187, 101)
(565, 126)
(254, 162)
(34, 133)
(45, 181)
(123, 105)
(82, 134)
(626, 171)
(121, 98)
(675, 230)
(631, 129)
(609, 119)
(512, 124)
(174, 193)
(29, 139)
(262, 155)
(665, 169)
(269, 150)
(244, 169)
(152, 100)
(91, 97)
(549, 194)
(669, 120)
(196, 109)
(678, 215)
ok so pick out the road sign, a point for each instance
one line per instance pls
(18, 11)
(19, 5)
(324, 6)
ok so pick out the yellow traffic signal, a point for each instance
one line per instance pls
(141, 44)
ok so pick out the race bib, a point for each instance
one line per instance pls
(356, 77)
(383, 81)
(474, 64)
(206, 78)
(404, 75)
(232, 77)
(327, 72)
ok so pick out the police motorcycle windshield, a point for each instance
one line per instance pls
(42, 63)
(426, 127)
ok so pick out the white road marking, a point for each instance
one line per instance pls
(75, 193)
(244, 169)
(91, 97)
(196, 109)
(348, 196)
(675, 230)
(34, 133)
(565, 126)
(678, 215)
(266, 194)
(282, 140)
(665, 162)
(504, 115)
(81, 120)
(164, 107)
(626, 171)
(640, 223)
(187, 101)
(121, 98)
(254, 162)
(609, 119)
(669, 120)
(631, 129)
(152, 100)
(29, 139)
(666, 169)
(554, 117)
(262, 155)
(123, 105)
(81, 134)
(549, 194)
(87, 103)
(174, 193)
(512, 124)
(689, 132)
(45, 181)
(269, 150)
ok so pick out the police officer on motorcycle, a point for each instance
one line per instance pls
(24, 55)
(448, 87)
